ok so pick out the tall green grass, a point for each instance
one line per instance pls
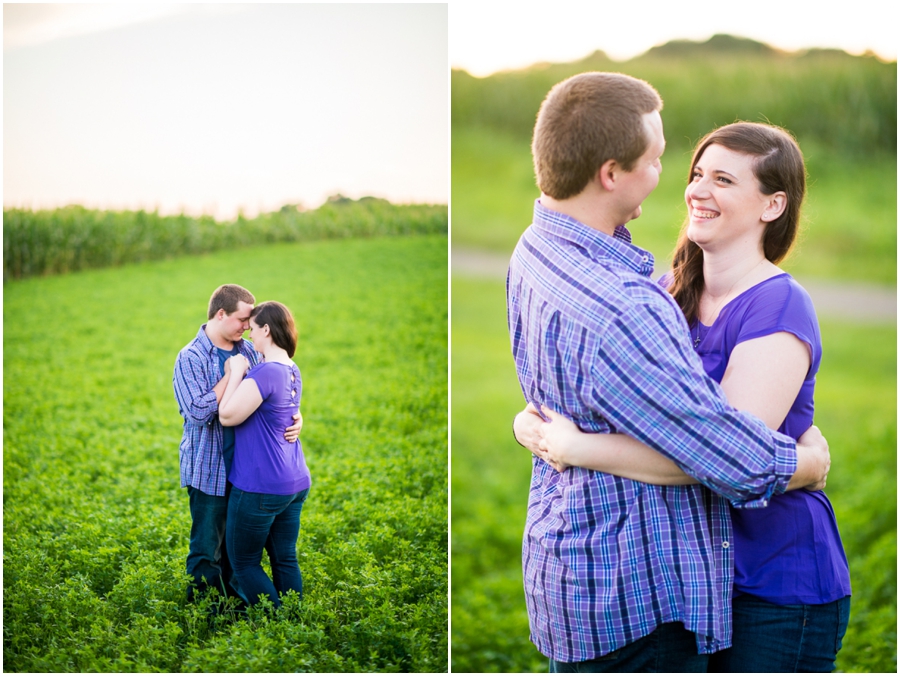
(74, 238)
(856, 403)
(96, 525)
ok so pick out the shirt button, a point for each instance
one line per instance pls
(645, 259)
(725, 545)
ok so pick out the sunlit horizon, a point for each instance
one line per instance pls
(224, 109)
(487, 38)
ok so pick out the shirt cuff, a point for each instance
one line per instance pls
(785, 464)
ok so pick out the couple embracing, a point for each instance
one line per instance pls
(240, 456)
(676, 520)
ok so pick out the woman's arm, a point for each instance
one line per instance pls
(561, 444)
(763, 377)
(241, 397)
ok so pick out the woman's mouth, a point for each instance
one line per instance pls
(703, 214)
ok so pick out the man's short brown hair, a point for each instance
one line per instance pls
(227, 297)
(583, 122)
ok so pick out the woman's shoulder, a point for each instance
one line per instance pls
(779, 303)
(275, 369)
(787, 291)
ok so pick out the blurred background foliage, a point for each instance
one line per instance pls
(842, 110)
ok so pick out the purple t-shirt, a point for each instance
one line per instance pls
(791, 551)
(263, 461)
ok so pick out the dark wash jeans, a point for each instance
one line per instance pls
(257, 521)
(207, 556)
(794, 638)
(668, 648)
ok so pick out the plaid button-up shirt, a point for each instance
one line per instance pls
(196, 374)
(605, 559)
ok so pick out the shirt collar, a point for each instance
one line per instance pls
(208, 344)
(597, 244)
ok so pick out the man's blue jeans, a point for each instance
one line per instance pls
(770, 638)
(257, 521)
(669, 648)
(207, 556)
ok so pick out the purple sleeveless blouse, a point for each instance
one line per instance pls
(263, 461)
(789, 552)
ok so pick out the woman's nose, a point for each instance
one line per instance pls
(698, 189)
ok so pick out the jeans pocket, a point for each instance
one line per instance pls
(273, 504)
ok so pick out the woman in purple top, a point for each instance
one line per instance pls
(269, 477)
(757, 335)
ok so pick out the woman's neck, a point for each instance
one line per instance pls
(272, 353)
(729, 272)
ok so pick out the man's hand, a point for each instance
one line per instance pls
(813, 461)
(293, 432)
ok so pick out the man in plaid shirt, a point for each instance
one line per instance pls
(620, 575)
(207, 448)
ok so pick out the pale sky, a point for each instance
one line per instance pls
(487, 36)
(214, 108)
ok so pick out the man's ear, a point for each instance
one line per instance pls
(607, 174)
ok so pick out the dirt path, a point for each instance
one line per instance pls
(842, 300)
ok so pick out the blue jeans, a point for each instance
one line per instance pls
(670, 647)
(257, 521)
(794, 638)
(207, 556)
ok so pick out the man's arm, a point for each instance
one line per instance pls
(198, 405)
(644, 378)
(763, 377)
(561, 444)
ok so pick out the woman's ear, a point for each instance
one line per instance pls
(777, 203)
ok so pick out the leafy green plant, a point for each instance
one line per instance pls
(96, 524)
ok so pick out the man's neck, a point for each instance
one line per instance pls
(588, 209)
(217, 339)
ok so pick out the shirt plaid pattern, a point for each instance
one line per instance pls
(196, 374)
(605, 559)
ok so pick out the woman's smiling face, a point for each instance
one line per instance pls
(723, 198)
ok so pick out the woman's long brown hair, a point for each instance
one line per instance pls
(778, 167)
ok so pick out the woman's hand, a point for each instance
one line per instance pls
(560, 439)
(238, 365)
(527, 428)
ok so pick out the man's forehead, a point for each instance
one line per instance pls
(243, 310)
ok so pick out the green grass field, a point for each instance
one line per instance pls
(856, 407)
(96, 524)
